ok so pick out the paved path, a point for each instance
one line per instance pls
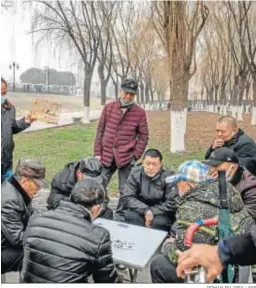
(65, 119)
(39, 203)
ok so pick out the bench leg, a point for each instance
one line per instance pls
(133, 275)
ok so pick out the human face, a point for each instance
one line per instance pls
(184, 186)
(95, 211)
(79, 175)
(3, 89)
(230, 169)
(151, 165)
(29, 186)
(127, 97)
(225, 131)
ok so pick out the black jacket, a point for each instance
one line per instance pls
(245, 148)
(9, 127)
(63, 246)
(141, 193)
(240, 250)
(15, 212)
(62, 184)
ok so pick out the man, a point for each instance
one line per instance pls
(241, 178)
(63, 245)
(16, 193)
(198, 199)
(9, 126)
(147, 200)
(239, 250)
(122, 134)
(229, 135)
(64, 181)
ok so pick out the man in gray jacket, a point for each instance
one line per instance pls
(147, 200)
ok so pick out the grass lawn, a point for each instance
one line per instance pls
(57, 147)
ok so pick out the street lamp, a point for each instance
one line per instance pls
(47, 78)
(13, 67)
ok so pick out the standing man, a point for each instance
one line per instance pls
(16, 195)
(229, 135)
(122, 134)
(9, 126)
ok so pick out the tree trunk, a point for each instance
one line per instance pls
(147, 93)
(103, 85)
(253, 120)
(87, 90)
(142, 96)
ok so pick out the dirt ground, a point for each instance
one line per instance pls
(23, 102)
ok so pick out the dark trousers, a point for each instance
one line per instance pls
(123, 173)
(163, 271)
(11, 260)
(106, 213)
(160, 222)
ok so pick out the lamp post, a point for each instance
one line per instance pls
(13, 67)
(47, 78)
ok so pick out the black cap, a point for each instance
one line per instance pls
(90, 166)
(129, 85)
(221, 155)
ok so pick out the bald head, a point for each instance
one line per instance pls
(231, 121)
(226, 128)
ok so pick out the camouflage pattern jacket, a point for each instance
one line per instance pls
(203, 202)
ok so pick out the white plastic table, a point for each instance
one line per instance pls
(145, 241)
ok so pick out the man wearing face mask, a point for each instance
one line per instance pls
(122, 134)
(16, 195)
(241, 178)
(64, 246)
(9, 126)
(229, 135)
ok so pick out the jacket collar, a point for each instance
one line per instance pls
(14, 181)
(75, 209)
(235, 138)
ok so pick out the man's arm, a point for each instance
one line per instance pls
(100, 132)
(18, 125)
(142, 136)
(11, 223)
(169, 205)
(208, 152)
(240, 249)
(129, 198)
(55, 196)
(104, 270)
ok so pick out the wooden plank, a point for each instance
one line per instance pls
(46, 111)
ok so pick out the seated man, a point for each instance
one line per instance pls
(17, 192)
(241, 178)
(198, 199)
(229, 135)
(147, 200)
(63, 245)
(64, 181)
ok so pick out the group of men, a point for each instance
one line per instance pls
(63, 245)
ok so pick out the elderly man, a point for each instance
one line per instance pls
(9, 126)
(16, 195)
(64, 246)
(147, 200)
(122, 134)
(64, 181)
(241, 178)
(229, 135)
(199, 199)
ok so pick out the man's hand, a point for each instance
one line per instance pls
(98, 157)
(203, 255)
(30, 117)
(148, 218)
(218, 143)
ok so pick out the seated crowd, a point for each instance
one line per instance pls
(62, 245)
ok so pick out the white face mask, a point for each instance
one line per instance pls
(228, 174)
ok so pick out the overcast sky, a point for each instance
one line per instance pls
(17, 45)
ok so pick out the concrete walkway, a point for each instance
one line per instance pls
(65, 119)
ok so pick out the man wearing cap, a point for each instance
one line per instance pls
(9, 126)
(229, 135)
(122, 134)
(16, 195)
(64, 181)
(198, 199)
(241, 178)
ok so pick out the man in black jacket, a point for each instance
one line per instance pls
(241, 178)
(147, 200)
(9, 126)
(63, 245)
(64, 181)
(239, 250)
(229, 135)
(16, 193)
